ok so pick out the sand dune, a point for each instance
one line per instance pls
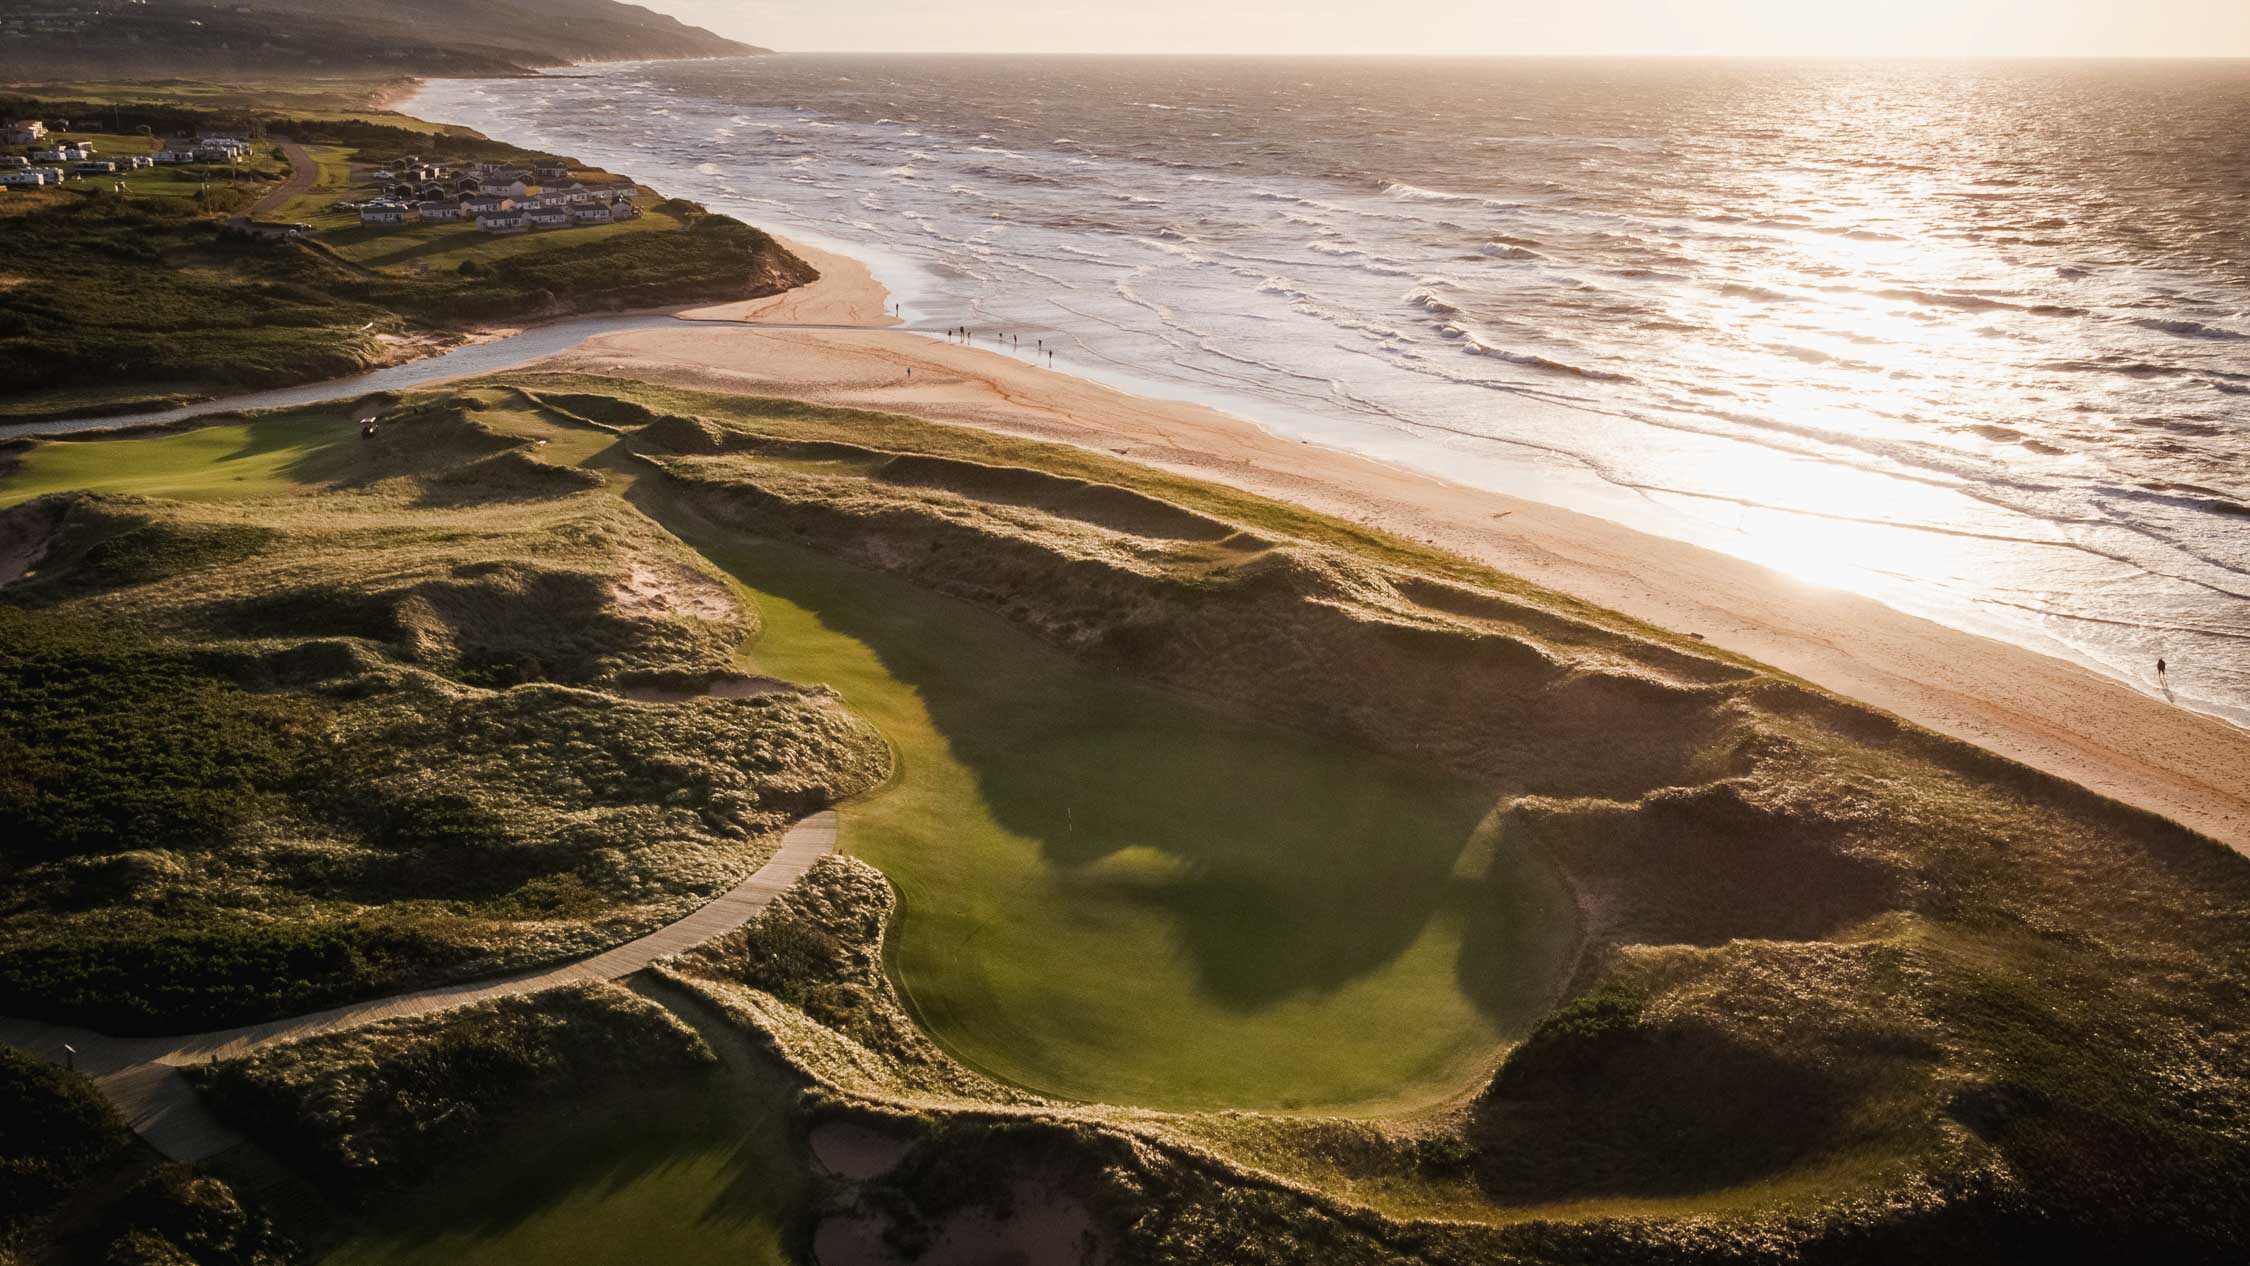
(2043, 711)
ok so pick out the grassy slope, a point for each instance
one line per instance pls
(355, 815)
(1854, 992)
(440, 1135)
(75, 1188)
(266, 457)
(113, 300)
(1114, 895)
(1880, 992)
(382, 1107)
(691, 1179)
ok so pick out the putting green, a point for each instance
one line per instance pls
(262, 457)
(692, 1179)
(1112, 894)
(258, 458)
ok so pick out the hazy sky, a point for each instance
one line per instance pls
(1848, 27)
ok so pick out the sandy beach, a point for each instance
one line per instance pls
(2034, 708)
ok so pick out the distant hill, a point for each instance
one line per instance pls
(394, 36)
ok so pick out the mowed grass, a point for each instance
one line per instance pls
(444, 247)
(1109, 893)
(686, 1179)
(255, 458)
(258, 457)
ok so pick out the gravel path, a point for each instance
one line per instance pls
(304, 173)
(142, 1075)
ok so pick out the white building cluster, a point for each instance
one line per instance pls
(50, 160)
(497, 199)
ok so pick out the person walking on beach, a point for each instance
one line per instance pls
(2160, 669)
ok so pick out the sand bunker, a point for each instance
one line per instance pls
(654, 591)
(1043, 1227)
(848, 1149)
(23, 542)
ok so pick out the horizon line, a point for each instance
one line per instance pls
(1615, 55)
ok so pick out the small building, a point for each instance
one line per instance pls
(487, 205)
(20, 179)
(468, 184)
(590, 213)
(263, 230)
(93, 169)
(507, 187)
(25, 131)
(385, 213)
(552, 172)
(548, 217)
(14, 161)
(503, 222)
(438, 211)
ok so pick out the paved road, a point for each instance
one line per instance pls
(304, 176)
(142, 1075)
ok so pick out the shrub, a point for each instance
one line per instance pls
(385, 1105)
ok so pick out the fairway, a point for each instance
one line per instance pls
(1111, 894)
(257, 458)
(1107, 892)
(262, 457)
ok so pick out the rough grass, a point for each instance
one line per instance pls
(702, 1174)
(277, 752)
(56, 1131)
(74, 1188)
(119, 293)
(385, 1105)
(1849, 991)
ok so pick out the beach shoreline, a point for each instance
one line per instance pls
(2041, 710)
(2048, 712)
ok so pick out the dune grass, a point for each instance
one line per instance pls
(1108, 893)
(216, 810)
(694, 1177)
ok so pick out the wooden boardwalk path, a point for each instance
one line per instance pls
(142, 1075)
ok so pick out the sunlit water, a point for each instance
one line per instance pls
(1971, 339)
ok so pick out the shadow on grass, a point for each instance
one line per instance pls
(1286, 865)
(705, 1170)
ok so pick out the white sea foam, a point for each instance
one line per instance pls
(1586, 314)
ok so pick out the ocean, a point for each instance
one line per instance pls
(1972, 339)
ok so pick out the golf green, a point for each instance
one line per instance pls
(263, 457)
(1111, 893)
